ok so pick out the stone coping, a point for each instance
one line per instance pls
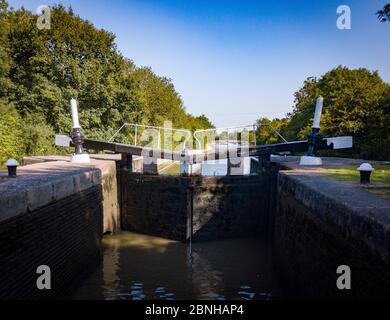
(38, 159)
(44, 182)
(292, 162)
(358, 214)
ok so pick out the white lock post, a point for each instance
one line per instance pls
(77, 138)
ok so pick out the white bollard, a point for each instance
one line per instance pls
(12, 165)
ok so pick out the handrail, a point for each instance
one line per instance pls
(136, 126)
(200, 156)
(254, 126)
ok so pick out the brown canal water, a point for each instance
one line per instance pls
(141, 267)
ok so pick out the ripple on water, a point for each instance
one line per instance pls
(139, 267)
(245, 287)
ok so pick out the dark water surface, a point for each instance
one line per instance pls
(139, 267)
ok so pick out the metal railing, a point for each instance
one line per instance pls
(158, 131)
(187, 143)
(228, 130)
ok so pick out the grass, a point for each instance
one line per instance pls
(381, 192)
(381, 175)
(169, 168)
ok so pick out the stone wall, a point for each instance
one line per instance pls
(103, 166)
(54, 213)
(232, 206)
(155, 205)
(64, 235)
(215, 207)
(321, 224)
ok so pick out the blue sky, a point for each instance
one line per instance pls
(236, 61)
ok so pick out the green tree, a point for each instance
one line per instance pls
(41, 70)
(202, 122)
(72, 59)
(38, 136)
(4, 56)
(356, 102)
(158, 98)
(265, 134)
(384, 14)
(196, 123)
(11, 134)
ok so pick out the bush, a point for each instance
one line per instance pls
(11, 134)
(38, 136)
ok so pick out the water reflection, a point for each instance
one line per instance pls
(111, 280)
(138, 267)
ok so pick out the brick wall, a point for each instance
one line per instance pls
(315, 232)
(231, 206)
(65, 235)
(154, 205)
(220, 207)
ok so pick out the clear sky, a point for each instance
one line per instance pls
(236, 61)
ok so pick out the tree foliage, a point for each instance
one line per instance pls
(384, 14)
(41, 70)
(11, 133)
(356, 102)
(265, 134)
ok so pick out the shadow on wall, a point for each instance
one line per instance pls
(320, 225)
(65, 235)
(218, 207)
(232, 206)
